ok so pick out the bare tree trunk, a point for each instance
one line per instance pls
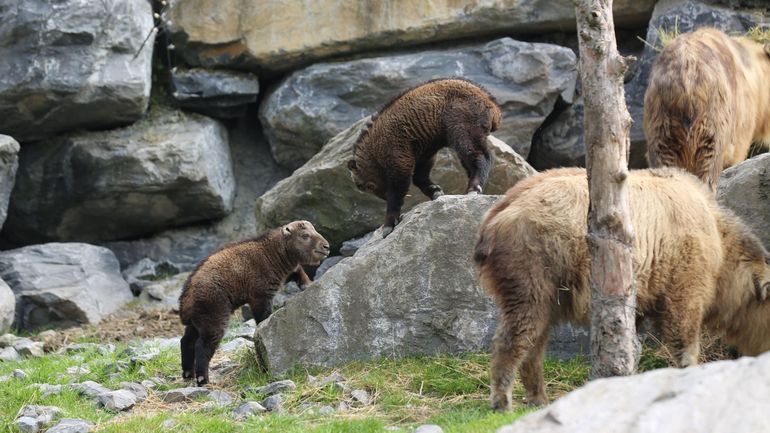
(614, 346)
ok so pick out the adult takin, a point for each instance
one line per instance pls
(696, 265)
(707, 101)
(247, 272)
(400, 144)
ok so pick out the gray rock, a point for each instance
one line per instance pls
(184, 394)
(360, 396)
(28, 348)
(70, 64)
(26, 424)
(168, 170)
(32, 418)
(139, 391)
(235, 344)
(255, 172)
(274, 403)
(567, 341)
(213, 32)
(9, 354)
(718, 396)
(407, 294)
(314, 104)
(146, 272)
(686, 15)
(243, 330)
(216, 93)
(325, 265)
(335, 379)
(69, 425)
(744, 189)
(276, 387)
(63, 284)
(322, 191)
(8, 340)
(350, 247)
(428, 428)
(47, 389)
(120, 400)
(20, 374)
(326, 410)
(78, 370)
(9, 162)
(7, 306)
(163, 294)
(220, 398)
(250, 408)
(560, 142)
(104, 349)
(89, 388)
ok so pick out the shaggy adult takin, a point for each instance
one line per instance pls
(399, 145)
(247, 272)
(695, 265)
(708, 99)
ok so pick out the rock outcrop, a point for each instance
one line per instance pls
(744, 188)
(215, 93)
(7, 306)
(9, 163)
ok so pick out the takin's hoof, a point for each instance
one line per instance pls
(436, 194)
(386, 230)
(501, 403)
(202, 380)
(537, 401)
(187, 375)
(474, 191)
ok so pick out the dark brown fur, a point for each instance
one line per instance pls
(400, 144)
(248, 272)
(707, 101)
(695, 265)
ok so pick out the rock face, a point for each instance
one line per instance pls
(322, 191)
(560, 143)
(63, 284)
(274, 35)
(73, 64)
(7, 306)
(744, 189)
(718, 396)
(403, 295)
(315, 103)
(169, 170)
(9, 162)
(215, 93)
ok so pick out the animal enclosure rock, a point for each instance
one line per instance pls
(744, 189)
(9, 162)
(407, 294)
(117, 401)
(216, 93)
(63, 284)
(317, 102)
(7, 306)
(168, 170)
(274, 35)
(718, 396)
(322, 191)
(73, 64)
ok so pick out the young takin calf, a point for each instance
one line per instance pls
(695, 265)
(247, 272)
(400, 144)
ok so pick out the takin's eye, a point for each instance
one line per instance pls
(305, 236)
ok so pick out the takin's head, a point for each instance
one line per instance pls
(366, 177)
(302, 239)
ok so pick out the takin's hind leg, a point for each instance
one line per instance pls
(205, 346)
(532, 373)
(187, 344)
(421, 178)
(681, 326)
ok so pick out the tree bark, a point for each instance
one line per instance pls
(614, 346)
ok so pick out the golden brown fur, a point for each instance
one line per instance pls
(695, 265)
(708, 99)
(247, 272)
(399, 146)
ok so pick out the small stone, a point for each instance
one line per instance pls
(104, 349)
(342, 406)
(360, 396)
(184, 394)
(47, 389)
(37, 411)
(26, 424)
(235, 344)
(225, 366)
(428, 428)
(89, 388)
(135, 388)
(168, 423)
(70, 425)
(19, 374)
(78, 370)
(335, 379)
(243, 330)
(8, 354)
(248, 409)
(221, 398)
(29, 348)
(274, 403)
(47, 335)
(5, 378)
(117, 401)
(325, 410)
(149, 384)
(276, 387)
(8, 340)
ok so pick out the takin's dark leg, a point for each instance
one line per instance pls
(531, 372)
(209, 336)
(398, 185)
(187, 344)
(471, 148)
(261, 309)
(680, 325)
(421, 178)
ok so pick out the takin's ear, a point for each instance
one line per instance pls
(286, 230)
(352, 165)
(370, 186)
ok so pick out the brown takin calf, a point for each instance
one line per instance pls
(695, 264)
(400, 145)
(247, 272)
(708, 99)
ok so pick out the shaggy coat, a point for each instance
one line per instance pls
(707, 101)
(695, 264)
(400, 144)
(248, 272)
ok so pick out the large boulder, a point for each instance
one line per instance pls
(315, 103)
(744, 188)
(73, 64)
(9, 162)
(168, 170)
(7, 306)
(63, 284)
(277, 35)
(215, 93)
(322, 191)
(724, 396)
